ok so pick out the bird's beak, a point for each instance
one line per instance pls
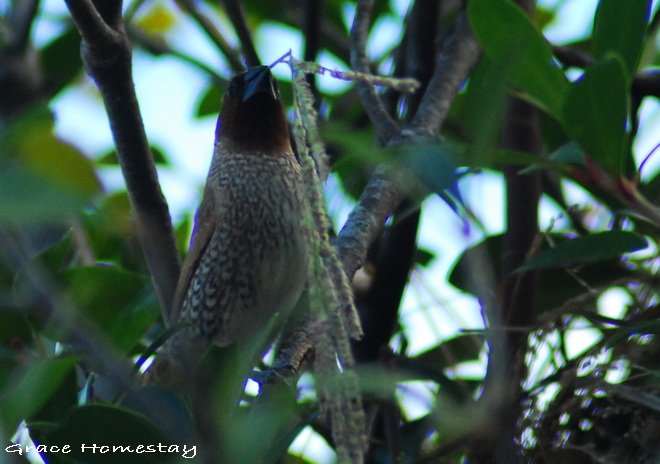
(258, 80)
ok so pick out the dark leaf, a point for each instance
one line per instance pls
(477, 271)
(423, 257)
(61, 59)
(591, 248)
(595, 113)
(163, 407)
(64, 399)
(209, 103)
(621, 27)
(32, 390)
(42, 179)
(508, 36)
(570, 153)
(182, 234)
(121, 303)
(122, 431)
(451, 352)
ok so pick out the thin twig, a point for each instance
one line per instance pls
(213, 34)
(312, 15)
(459, 55)
(382, 195)
(22, 15)
(157, 47)
(106, 54)
(404, 84)
(236, 15)
(386, 127)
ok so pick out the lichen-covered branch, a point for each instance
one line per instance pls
(378, 200)
(330, 296)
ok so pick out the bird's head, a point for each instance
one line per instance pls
(252, 116)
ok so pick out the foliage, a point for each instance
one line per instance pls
(78, 309)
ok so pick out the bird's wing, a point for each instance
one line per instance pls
(201, 236)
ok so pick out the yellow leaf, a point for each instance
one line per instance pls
(157, 19)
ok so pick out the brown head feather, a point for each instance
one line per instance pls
(252, 117)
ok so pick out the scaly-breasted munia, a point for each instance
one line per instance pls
(248, 256)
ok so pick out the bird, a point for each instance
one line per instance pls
(247, 259)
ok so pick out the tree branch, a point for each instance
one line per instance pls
(381, 194)
(392, 259)
(378, 200)
(311, 29)
(386, 127)
(21, 76)
(213, 34)
(236, 15)
(96, 30)
(21, 19)
(106, 54)
(157, 47)
(419, 56)
(460, 53)
(506, 370)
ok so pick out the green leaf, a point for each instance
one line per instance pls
(37, 384)
(64, 399)
(61, 59)
(423, 257)
(441, 156)
(633, 394)
(100, 425)
(508, 37)
(121, 303)
(15, 331)
(433, 165)
(570, 153)
(620, 26)
(110, 158)
(481, 106)
(42, 178)
(209, 103)
(182, 233)
(451, 352)
(358, 154)
(428, 169)
(165, 408)
(277, 420)
(595, 113)
(477, 271)
(591, 248)
(28, 199)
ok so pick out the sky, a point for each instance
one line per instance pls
(168, 93)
